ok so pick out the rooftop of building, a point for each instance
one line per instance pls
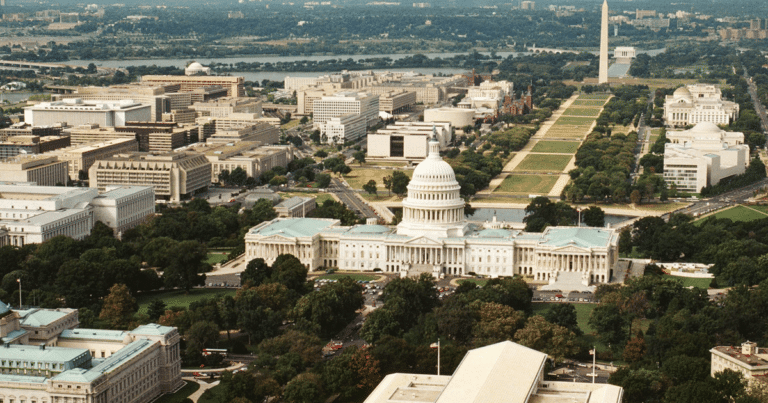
(735, 352)
(94, 146)
(293, 202)
(25, 191)
(93, 334)
(122, 191)
(59, 355)
(87, 105)
(583, 237)
(42, 317)
(294, 227)
(153, 329)
(107, 365)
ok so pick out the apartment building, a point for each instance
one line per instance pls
(250, 156)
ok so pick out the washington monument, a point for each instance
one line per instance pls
(603, 75)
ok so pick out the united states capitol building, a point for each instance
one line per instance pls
(434, 237)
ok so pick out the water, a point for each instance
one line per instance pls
(181, 62)
(15, 97)
(280, 76)
(517, 215)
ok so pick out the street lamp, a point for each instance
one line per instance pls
(18, 280)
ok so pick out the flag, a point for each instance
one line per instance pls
(433, 345)
(591, 352)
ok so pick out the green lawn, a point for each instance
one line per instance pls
(736, 213)
(216, 257)
(569, 120)
(356, 277)
(760, 207)
(360, 176)
(527, 184)
(212, 395)
(571, 111)
(567, 131)
(564, 147)
(181, 395)
(479, 281)
(179, 297)
(652, 139)
(702, 283)
(582, 313)
(588, 102)
(544, 163)
(593, 96)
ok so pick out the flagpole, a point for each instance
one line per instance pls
(438, 357)
(594, 355)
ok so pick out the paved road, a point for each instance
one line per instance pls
(726, 199)
(752, 89)
(350, 198)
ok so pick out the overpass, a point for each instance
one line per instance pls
(61, 89)
(20, 64)
(534, 49)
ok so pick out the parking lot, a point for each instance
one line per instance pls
(559, 296)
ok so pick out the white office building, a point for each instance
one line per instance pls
(503, 372)
(343, 129)
(703, 156)
(75, 112)
(489, 94)
(344, 103)
(35, 214)
(697, 103)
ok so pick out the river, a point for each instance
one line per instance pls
(280, 76)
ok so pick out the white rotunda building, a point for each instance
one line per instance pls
(433, 206)
(435, 237)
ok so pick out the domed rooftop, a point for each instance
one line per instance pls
(195, 66)
(706, 128)
(682, 92)
(433, 168)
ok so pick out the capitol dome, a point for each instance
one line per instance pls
(434, 206)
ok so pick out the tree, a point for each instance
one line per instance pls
(399, 183)
(635, 196)
(496, 323)
(541, 335)
(118, 307)
(202, 334)
(187, 267)
(329, 310)
(594, 217)
(224, 176)
(359, 157)
(370, 187)
(262, 211)
(305, 388)
(322, 180)
(635, 350)
(321, 154)
(541, 212)
(156, 309)
(563, 315)
(609, 323)
(388, 184)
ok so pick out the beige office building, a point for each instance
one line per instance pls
(261, 132)
(748, 360)
(429, 89)
(19, 145)
(234, 85)
(397, 101)
(81, 158)
(93, 133)
(25, 129)
(407, 141)
(343, 129)
(43, 170)
(251, 156)
(174, 175)
(224, 107)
